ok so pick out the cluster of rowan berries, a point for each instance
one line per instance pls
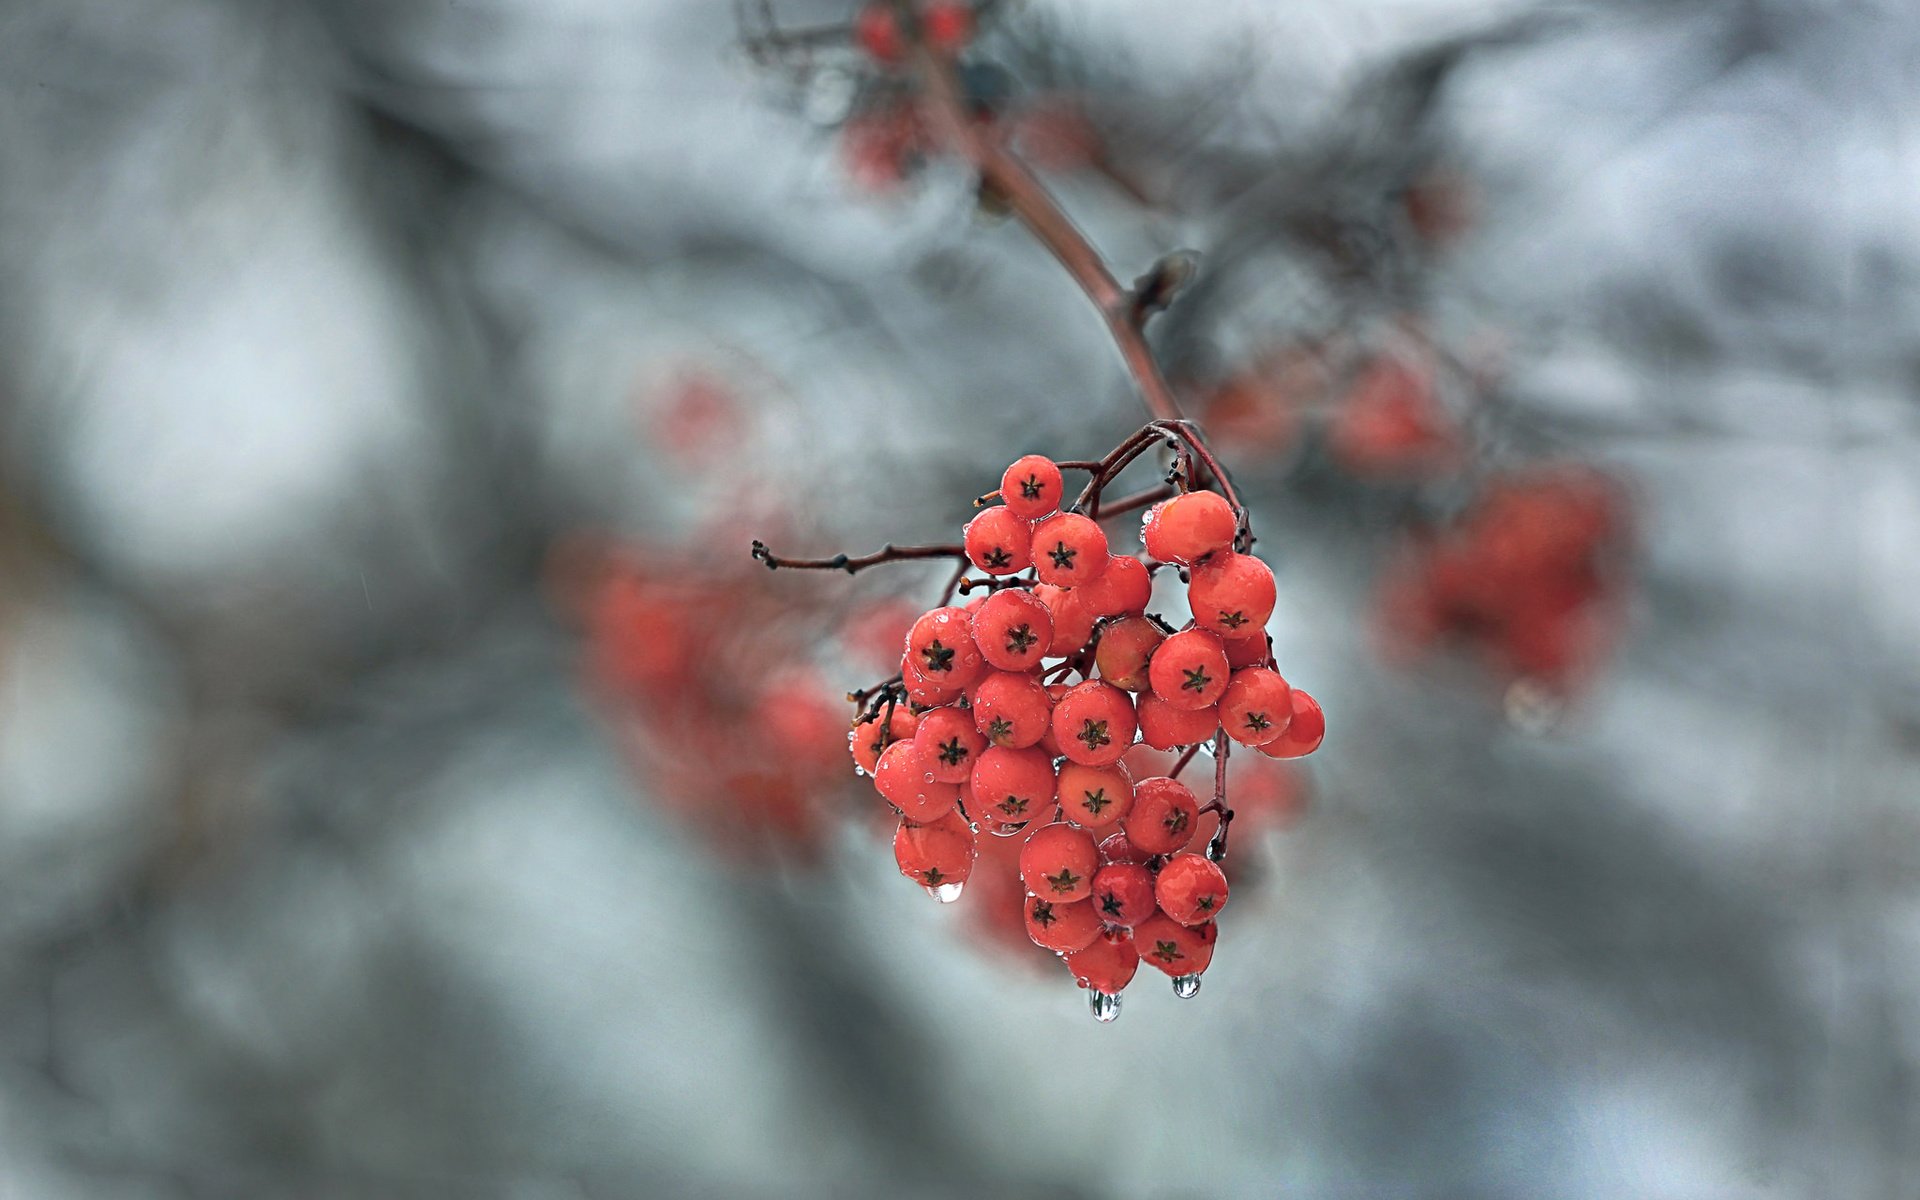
(1011, 716)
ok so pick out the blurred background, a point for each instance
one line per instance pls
(410, 787)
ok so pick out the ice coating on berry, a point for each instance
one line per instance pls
(1123, 893)
(1189, 670)
(1061, 925)
(1058, 862)
(1190, 889)
(1187, 528)
(1031, 487)
(1163, 816)
(1119, 848)
(1231, 594)
(1095, 797)
(1069, 550)
(1257, 706)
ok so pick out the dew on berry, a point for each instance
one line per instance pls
(947, 893)
(1186, 986)
(1104, 1006)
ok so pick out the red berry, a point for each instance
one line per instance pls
(1011, 709)
(1163, 815)
(1047, 741)
(940, 645)
(1125, 647)
(1124, 587)
(1123, 893)
(1058, 862)
(999, 543)
(1031, 487)
(1095, 797)
(1254, 650)
(1094, 723)
(1069, 550)
(1190, 889)
(947, 25)
(1119, 848)
(934, 853)
(1072, 623)
(1014, 786)
(1013, 630)
(926, 692)
(948, 744)
(1187, 528)
(1164, 727)
(1231, 594)
(1258, 706)
(1189, 670)
(871, 736)
(1166, 945)
(877, 31)
(1060, 925)
(904, 779)
(1303, 734)
(1107, 964)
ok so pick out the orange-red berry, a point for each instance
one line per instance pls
(1069, 550)
(1187, 528)
(1014, 787)
(1013, 630)
(1095, 797)
(1123, 893)
(1123, 588)
(948, 744)
(1107, 964)
(1257, 707)
(1163, 816)
(934, 853)
(1061, 925)
(1189, 670)
(1031, 487)
(1072, 622)
(1166, 945)
(1126, 646)
(1231, 594)
(1119, 848)
(1253, 650)
(1304, 732)
(1058, 861)
(1094, 723)
(999, 542)
(924, 691)
(1164, 727)
(876, 733)
(940, 645)
(1011, 709)
(1190, 889)
(905, 780)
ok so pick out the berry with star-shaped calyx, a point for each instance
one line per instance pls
(1013, 630)
(1095, 797)
(1061, 925)
(1072, 623)
(1176, 949)
(949, 744)
(1123, 893)
(904, 779)
(1014, 786)
(1189, 670)
(941, 648)
(1190, 889)
(924, 691)
(1231, 594)
(1164, 727)
(1094, 723)
(1058, 862)
(1257, 707)
(875, 733)
(934, 853)
(1011, 709)
(1031, 487)
(1163, 816)
(1122, 589)
(1126, 647)
(1107, 964)
(1187, 528)
(1069, 550)
(1303, 733)
(999, 542)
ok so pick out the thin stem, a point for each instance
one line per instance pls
(1184, 760)
(840, 562)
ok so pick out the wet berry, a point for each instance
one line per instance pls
(1168, 946)
(934, 853)
(1095, 797)
(1189, 670)
(948, 744)
(925, 691)
(1123, 893)
(1061, 925)
(1094, 723)
(1013, 630)
(1187, 528)
(1069, 550)
(1119, 848)
(1162, 820)
(1253, 650)
(1058, 861)
(999, 542)
(1072, 623)
(1011, 709)
(1122, 589)
(1257, 707)
(1031, 487)
(876, 733)
(1014, 786)
(1190, 889)
(1303, 734)
(1231, 594)
(1125, 648)
(1164, 727)
(940, 646)
(905, 780)
(1107, 964)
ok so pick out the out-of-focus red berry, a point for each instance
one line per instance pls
(1258, 706)
(1187, 528)
(1094, 723)
(1163, 815)
(876, 30)
(999, 542)
(1058, 862)
(1061, 925)
(1123, 893)
(1126, 646)
(1190, 889)
(1189, 670)
(1231, 594)
(1095, 797)
(1069, 550)
(1013, 629)
(1031, 487)
(1391, 423)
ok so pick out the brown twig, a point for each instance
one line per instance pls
(840, 562)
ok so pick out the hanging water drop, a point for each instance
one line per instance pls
(946, 893)
(1105, 1006)
(1186, 986)
(1007, 830)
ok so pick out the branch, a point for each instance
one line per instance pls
(840, 562)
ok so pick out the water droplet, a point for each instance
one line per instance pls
(1206, 747)
(946, 893)
(1007, 830)
(860, 770)
(928, 777)
(1186, 986)
(1105, 1006)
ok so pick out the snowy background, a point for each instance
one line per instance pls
(320, 326)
